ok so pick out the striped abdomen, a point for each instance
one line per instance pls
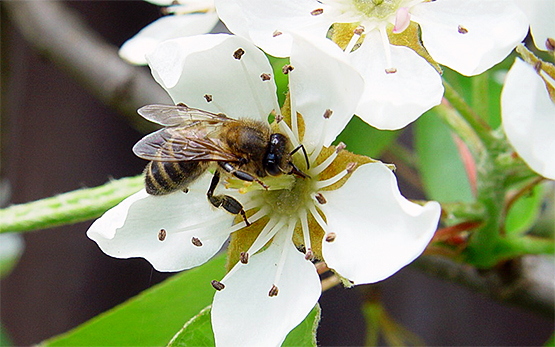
(164, 177)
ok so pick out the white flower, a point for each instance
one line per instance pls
(348, 212)
(468, 36)
(187, 18)
(528, 115)
(540, 13)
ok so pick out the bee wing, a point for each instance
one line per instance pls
(179, 115)
(183, 144)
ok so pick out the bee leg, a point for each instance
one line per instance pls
(242, 175)
(225, 201)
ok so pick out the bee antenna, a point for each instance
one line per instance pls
(301, 146)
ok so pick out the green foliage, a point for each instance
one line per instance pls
(363, 139)
(153, 317)
(441, 169)
(198, 331)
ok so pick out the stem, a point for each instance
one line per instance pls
(480, 93)
(68, 208)
(482, 129)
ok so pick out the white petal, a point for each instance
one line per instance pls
(243, 314)
(323, 79)
(494, 28)
(135, 49)
(392, 101)
(258, 20)
(540, 13)
(192, 67)
(528, 116)
(131, 228)
(377, 230)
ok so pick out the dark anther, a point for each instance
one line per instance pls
(320, 198)
(238, 53)
(208, 97)
(162, 234)
(196, 242)
(327, 113)
(274, 291)
(330, 237)
(462, 30)
(287, 68)
(217, 285)
(276, 33)
(317, 12)
(244, 257)
(265, 77)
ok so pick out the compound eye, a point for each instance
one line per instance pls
(271, 165)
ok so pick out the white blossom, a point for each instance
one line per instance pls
(468, 36)
(348, 212)
(185, 18)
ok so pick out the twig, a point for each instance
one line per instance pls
(528, 282)
(60, 35)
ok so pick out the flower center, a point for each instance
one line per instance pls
(377, 9)
(287, 202)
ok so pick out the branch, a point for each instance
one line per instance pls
(60, 35)
(527, 282)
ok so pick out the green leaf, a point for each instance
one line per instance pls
(153, 317)
(442, 172)
(198, 331)
(524, 212)
(363, 139)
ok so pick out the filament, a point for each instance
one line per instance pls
(326, 183)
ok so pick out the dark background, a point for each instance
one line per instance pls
(57, 138)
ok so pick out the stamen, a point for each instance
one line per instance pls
(314, 155)
(162, 234)
(357, 33)
(238, 53)
(265, 77)
(318, 218)
(330, 237)
(317, 12)
(550, 44)
(322, 166)
(387, 48)
(208, 97)
(326, 183)
(287, 68)
(217, 285)
(320, 198)
(294, 137)
(402, 20)
(254, 91)
(309, 255)
(261, 213)
(327, 114)
(244, 258)
(207, 223)
(273, 291)
(196, 242)
(270, 230)
(283, 256)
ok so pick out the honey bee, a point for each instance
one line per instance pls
(194, 140)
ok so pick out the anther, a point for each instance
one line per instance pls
(351, 167)
(550, 44)
(359, 30)
(244, 257)
(217, 285)
(330, 237)
(208, 97)
(462, 30)
(341, 146)
(238, 53)
(317, 12)
(279, 118)
(265, 76)
(181, 104)
(287, 68)
(196, 242)
(538, 66)
(309, 255)
(327, 113)
(274, 291)
(390, 70)
(320, 198)
(162, 234)
(276, 33)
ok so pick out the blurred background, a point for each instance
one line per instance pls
(56, 137)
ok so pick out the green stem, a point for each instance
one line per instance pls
(482, 129)
(480, 94)
(510, 247)
(68, 208)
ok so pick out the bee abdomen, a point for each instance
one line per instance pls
(166, 177)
